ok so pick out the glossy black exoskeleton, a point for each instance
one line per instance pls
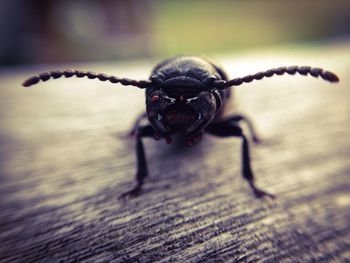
(187, 95)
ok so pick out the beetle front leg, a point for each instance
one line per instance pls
(240, 117)
(247, 170)
(226, 129)
(142, 171)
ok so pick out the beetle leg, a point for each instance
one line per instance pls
(240, 117)
(142, 172)
(226, 129)
(247, 170)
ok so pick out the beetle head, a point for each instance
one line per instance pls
(186, 107)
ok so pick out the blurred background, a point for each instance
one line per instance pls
(65, 159)
(62, 31)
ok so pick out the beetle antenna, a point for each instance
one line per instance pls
(304, 70)
(80, 74)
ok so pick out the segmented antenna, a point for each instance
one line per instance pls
(80, 74)
(304, 70)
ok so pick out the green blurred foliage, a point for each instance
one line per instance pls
(211, 26)
(63, 31)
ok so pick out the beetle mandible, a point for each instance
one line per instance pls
(187, 95)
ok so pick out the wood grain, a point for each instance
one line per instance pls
(65, 160)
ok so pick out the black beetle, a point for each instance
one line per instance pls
(187, 95)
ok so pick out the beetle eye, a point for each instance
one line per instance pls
(155, 98)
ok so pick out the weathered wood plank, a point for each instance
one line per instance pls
(64, 162)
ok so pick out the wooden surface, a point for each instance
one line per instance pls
(65, 160)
